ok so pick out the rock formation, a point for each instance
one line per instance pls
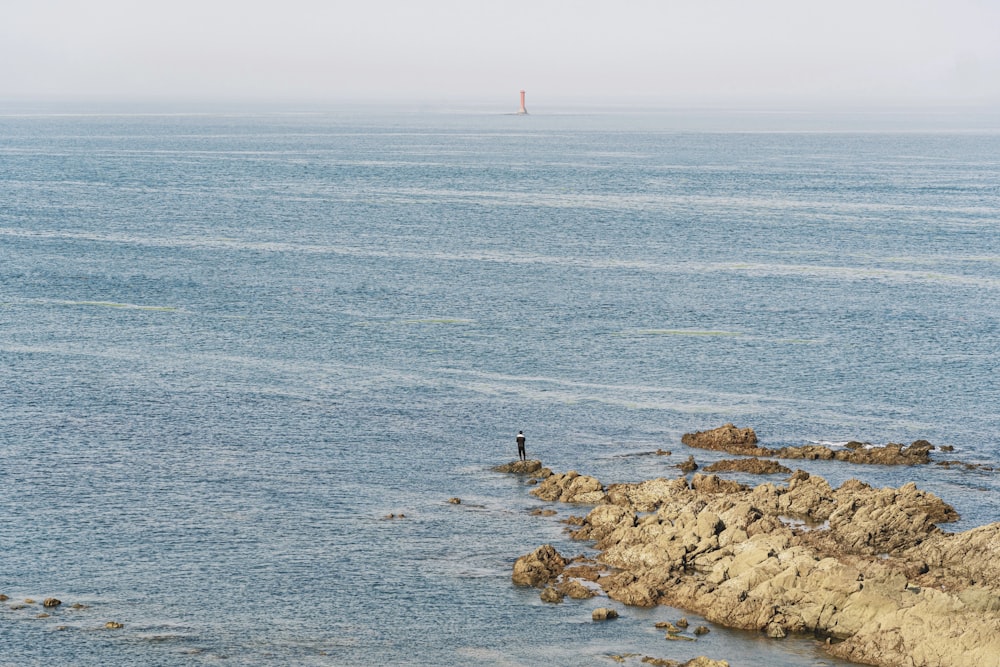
(728, 438)
(867, 568)
(531, 467)
(539, 567)
(753, 465)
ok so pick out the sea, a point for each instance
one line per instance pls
(234, 343)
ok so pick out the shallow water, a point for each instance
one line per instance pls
(231, 344)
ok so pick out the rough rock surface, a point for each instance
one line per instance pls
(539, 567)
(570, 487)
(753, 466)
(531, 467)
(726, 438)
(868, 568)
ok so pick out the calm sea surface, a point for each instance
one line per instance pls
(231, 344)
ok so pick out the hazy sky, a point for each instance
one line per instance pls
(679, 52)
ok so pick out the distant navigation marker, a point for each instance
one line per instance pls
(522, 110)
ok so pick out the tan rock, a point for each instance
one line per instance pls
(753, 465)
(726, 438)
(570, 487)
(551, 594)
(603, 614)
(539, 567)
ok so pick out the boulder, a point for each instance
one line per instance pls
(551, 594)
(539, 567)
(530, 467)
(603, 614)
(570, 487)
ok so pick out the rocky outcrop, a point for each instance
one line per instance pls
(728, 438)
(531, 467)
(570, 487)
(538, 568)
(869, 568)
(754, 466)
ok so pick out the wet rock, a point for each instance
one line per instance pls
(701, 630)
(3, 598)
(659, 662)
(730, 439)
(726, 438)
(539, 567)
(752, 465)
(603, 614)
(575, 590)
(702, 661)
(551, 594)
(113, 625)
(455, 501)
(530, 467)
(51, 602)
(689, 465)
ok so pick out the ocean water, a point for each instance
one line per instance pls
(232, 343)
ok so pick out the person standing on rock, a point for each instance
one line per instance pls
(520, 446)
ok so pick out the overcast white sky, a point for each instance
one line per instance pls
(674, 52)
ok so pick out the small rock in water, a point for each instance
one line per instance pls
(51, 602)
(113, 625)
(551, 594)
(603, 614)
(689, 465)
(455, 501)
(683, 623)
(669, 627)
(701, 630)
(775, 631)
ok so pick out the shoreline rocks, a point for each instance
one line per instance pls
(728, 438)
(753, 465)
(867, 568)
